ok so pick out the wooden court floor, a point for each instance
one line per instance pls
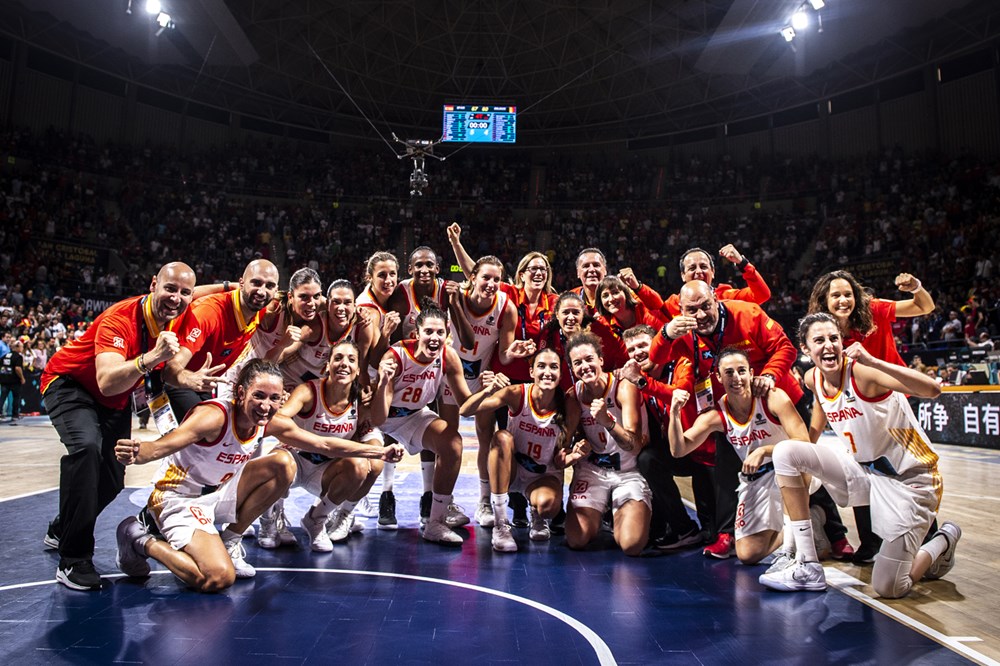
(545, 604)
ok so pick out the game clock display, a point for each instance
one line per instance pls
(480, 124)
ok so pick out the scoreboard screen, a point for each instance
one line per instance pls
(466, 123)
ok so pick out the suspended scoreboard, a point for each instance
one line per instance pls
(480, 124)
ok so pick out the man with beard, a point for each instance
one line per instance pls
(221, 328)
(87, 386)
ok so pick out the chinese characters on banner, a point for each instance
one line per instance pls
(969, 419)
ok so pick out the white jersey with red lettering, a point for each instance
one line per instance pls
(605, 451)
(408, 320)
(417, 383)
(880, 433)
(535, 434)
(486, 328)
(324, 421)
(203, 466)
(310, 361)
(761, 429)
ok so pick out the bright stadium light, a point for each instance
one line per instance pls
(153, 7)
(788, 32)
(817, 4)
(800, 20)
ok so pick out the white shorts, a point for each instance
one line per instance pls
(593, 487)
(409, 430)
(900, 505)
(178, 516)
(759, 507)
(309, 474)
(448, 398)
(522, 479)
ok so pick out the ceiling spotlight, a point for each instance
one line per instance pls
(153, 6)
(817, 4)
(800, 20)
(788, 32)
(163, 20)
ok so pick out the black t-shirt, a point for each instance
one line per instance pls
(7, 364)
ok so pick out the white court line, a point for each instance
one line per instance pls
(847, 584)
(604, 655)
(35, 492)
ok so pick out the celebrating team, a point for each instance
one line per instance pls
(611, 380)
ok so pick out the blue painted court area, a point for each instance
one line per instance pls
(390, 598)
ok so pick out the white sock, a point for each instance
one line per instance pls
(499, 502)
(484, 489)
(439, 506)
(347, 506)
(322, 508)
(936, 547)
(388, 476)
(804, 544)
(427, 473)
(787, 536)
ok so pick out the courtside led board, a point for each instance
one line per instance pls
(467, 123)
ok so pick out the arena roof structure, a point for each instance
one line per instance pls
(582, 72)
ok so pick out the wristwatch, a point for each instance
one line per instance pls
(642, 382)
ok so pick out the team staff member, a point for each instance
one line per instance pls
(87, 387)
(591, 268)
(221, 327)
(697, 264)
(692, 340)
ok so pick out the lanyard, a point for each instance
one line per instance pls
(151, 381)
(723, 316)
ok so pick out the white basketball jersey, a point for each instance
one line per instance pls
(605, 449)
(761, 429)
(417, 383)
(535, 434)
(202, 466)
(367, 300)
(880, 433)
(408, 323)
(486, 328)
(310, 362)
(324, 421)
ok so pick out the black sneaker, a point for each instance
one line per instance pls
(425, 507)
(78, 575)
(671, 542)
(865, 554)
(519, 508)
(387, 511)
(51, 538)
(558, 524)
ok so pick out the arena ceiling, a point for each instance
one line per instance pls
(580, 72)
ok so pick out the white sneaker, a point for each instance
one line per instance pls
(538, 530)
(818, 518)
(285, 536)
(438, 531)
(456, 516)
(484, 513)
(503, 540)
(801, 576)
(129, 560)
(319, 540)
(780, 560)
(267, 536)
(250, 531)
(340, 525)
(238, 554)
(944, 564)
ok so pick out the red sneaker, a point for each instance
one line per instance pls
(723, 548)
(841, 549)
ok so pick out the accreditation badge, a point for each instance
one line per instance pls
(163, 413)
(703, 394)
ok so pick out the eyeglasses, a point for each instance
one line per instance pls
(536, 269)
